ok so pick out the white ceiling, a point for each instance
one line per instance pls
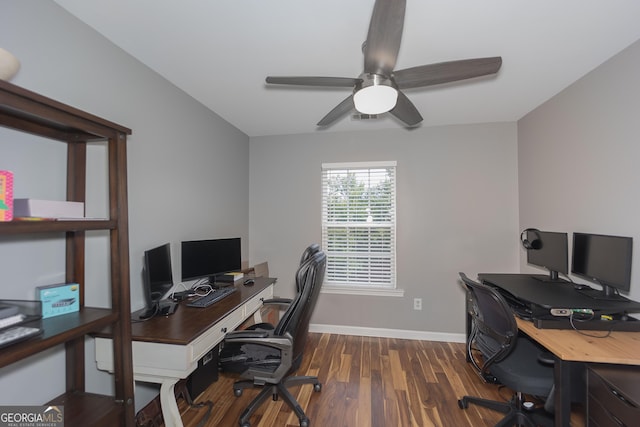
(220, 51)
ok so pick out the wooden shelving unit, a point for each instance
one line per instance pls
(29, 112)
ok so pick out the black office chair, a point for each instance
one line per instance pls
(279, 303)
(268, 358)
(506, 357)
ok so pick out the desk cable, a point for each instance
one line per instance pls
(587, 319)
(156, 309)
(583, 319)
(174, 290)
(192, 404)
(202, 289)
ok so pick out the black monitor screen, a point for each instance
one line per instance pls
(552, 253)
(158, 273)
(209, 258)
(605, 260)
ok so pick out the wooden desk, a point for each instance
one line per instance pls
(621, 348)
(167, 349)
(570, 346)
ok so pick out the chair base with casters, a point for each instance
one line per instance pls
(268, 388)
(516, 413)
(275, 391)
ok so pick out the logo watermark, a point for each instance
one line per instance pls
(32, 416)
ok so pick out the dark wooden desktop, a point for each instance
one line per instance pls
(168, 348)
(568, 345)
(187, 323)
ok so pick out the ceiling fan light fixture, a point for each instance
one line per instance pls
(376, 96)
(379, 89)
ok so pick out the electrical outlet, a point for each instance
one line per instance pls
(417, 303)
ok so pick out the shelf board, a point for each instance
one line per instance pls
(20, 227)
(89, 409)
(58, 330)
(28, 111)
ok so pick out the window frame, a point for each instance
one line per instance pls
(344, 287)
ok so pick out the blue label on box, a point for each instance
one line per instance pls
(59, 299)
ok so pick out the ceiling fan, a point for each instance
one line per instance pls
(379, 88)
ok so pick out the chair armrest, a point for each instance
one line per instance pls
(546, 357)
(281, 343)
(278, 301)
(236, 336)
(285, 345)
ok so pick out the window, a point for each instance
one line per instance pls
(359, 225)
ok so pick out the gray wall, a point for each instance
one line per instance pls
(578, 157)
(464, 192)
(457, 211)
(183, 160)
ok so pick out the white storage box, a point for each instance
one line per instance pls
(47, 208)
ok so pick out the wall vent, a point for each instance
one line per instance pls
(359, 116)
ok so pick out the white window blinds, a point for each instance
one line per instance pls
(359, 224)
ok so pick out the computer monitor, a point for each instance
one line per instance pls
(605, 260)
(158, 277)
(552, 252)
(210, 258)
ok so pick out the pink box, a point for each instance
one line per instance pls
(6, 196)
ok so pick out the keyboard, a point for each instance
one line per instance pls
(17, 333)
(213, 297)
(11, 320)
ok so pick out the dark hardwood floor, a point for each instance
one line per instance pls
(377, 382)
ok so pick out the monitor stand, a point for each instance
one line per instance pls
(553, 277)
(224, 278)
(221, 281)
(606, 294)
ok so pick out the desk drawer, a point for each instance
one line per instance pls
(612, 399)
(149, 358)
(256, 302)
(600, 417)
(215, 335)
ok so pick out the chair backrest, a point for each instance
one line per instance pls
(295, 320)
(309, 250)
(306, 254)
(494, 329)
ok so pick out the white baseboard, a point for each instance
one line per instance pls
(387, 333)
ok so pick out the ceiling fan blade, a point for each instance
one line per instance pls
(340, 110)
(406, 111)
(315, 81)
(384, 36)
(444, 72)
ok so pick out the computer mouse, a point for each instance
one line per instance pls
(249, 282)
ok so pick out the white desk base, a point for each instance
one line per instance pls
(166, 364)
